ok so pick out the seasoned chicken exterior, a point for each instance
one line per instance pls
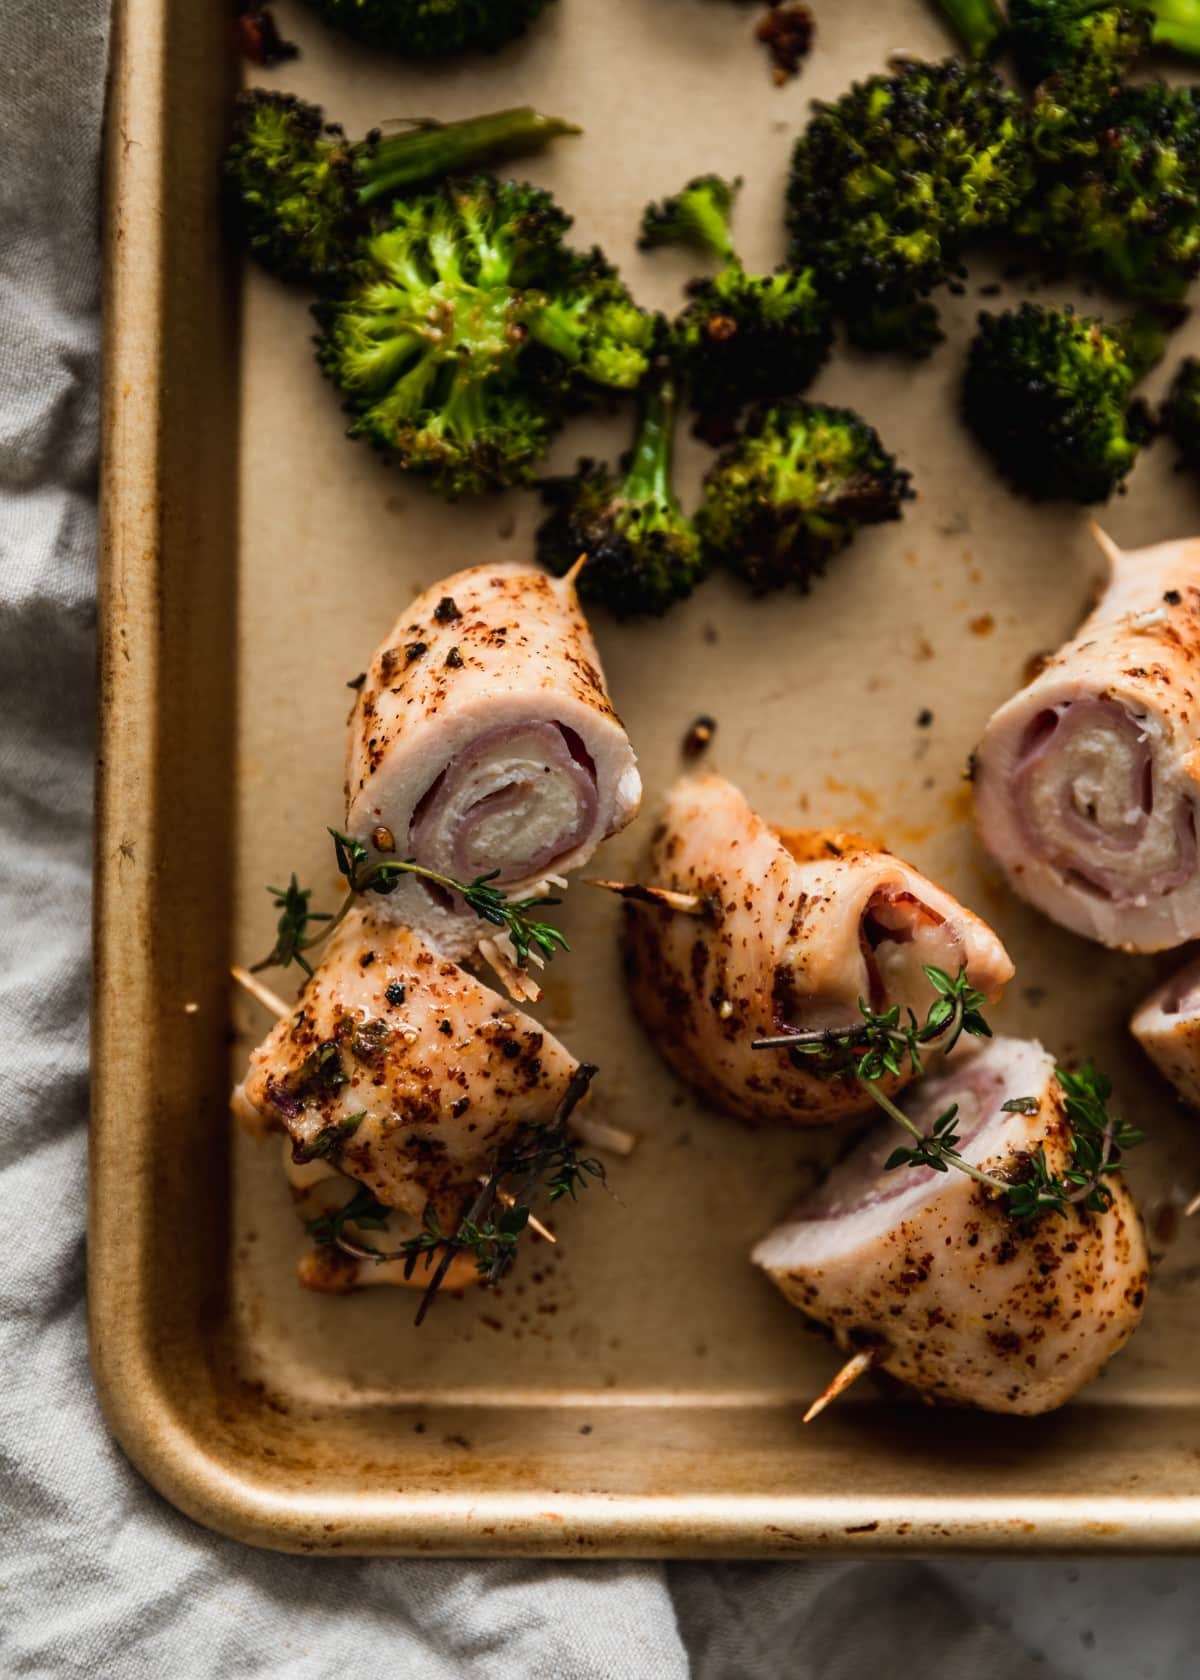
(1167, 1026)
(1087, 782)
(403, 1071)
(482, 740)
(961, 1304)
(795, 928)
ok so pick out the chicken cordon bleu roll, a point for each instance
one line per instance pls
(790, 930)
(1087, 781)
(1167, 1026)
(928, 1271)
(482, 740)
(402, 1072)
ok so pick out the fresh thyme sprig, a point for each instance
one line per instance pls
(292, 927)
(366, 874)
(490, 1228)
(884, 1044)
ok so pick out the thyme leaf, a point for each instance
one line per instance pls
(366, 874)
(492, 1226)
(883, 1044)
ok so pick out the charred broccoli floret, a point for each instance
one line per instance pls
(1180, 414)
(1118, 189)
(640, 551)
(303, 196)
(793, 489)
(743, 336)
(978, 24)
(1050, 37)
(891, 183)
(469, 326)
(1047, 394)
(431, 28)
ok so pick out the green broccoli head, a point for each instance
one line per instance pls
(1050, 37)
(1100, 38)
(1119, 183)
(743, 337)
(892, 182)
(640, 552)
(304, 197)
(431, 28)
(1047, 393)
(1180, 414)
(793, 489)
(467, 329)
(290, 180)
(700, 215)
(747, 337)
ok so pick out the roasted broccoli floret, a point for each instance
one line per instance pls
(793, 489)
(303, 196)
(468, 329)
(431, 28)
(978, 24)
(1118, 190)
(640, 552)
(1047, 394)
(1050, 37)
(1180, 414)
(743, 336)
(891, 183)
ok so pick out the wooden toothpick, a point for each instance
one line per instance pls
(849, 1373)
(688, 904)
(269, 999)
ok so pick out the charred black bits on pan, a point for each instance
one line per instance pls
(454, 660)
(395, 994)
(446, 612)
(699, 736)
(1172, 597)
(259, 38)
(787, 33)
(446, 1028)
(414, 650)
(924, 718)
(357, 682)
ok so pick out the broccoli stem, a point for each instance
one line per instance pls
(977, 23)
(423, 153)
(648, 476)
(1177, 26)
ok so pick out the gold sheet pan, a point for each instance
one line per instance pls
(639, 1392)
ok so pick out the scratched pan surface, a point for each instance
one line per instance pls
(637, 1390)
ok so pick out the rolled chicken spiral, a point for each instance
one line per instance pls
(1167, 1026)
(402, 1072)
(928, 1269)
(483, 739)
(1087, 782)
(794, 928)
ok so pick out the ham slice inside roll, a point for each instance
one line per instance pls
(928, 1271)
(1086, 782)
(795, 927)
(483, 741)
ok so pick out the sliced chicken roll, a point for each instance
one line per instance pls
(1167, 1026)
(400, 1071)
(1087, 781)
(483, 739)
(929, 1271)
(793, 929)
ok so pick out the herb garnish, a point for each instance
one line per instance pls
(365, 874)
(883, 1044)
(493, 1224)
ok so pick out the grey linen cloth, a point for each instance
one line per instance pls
(100, 1577)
